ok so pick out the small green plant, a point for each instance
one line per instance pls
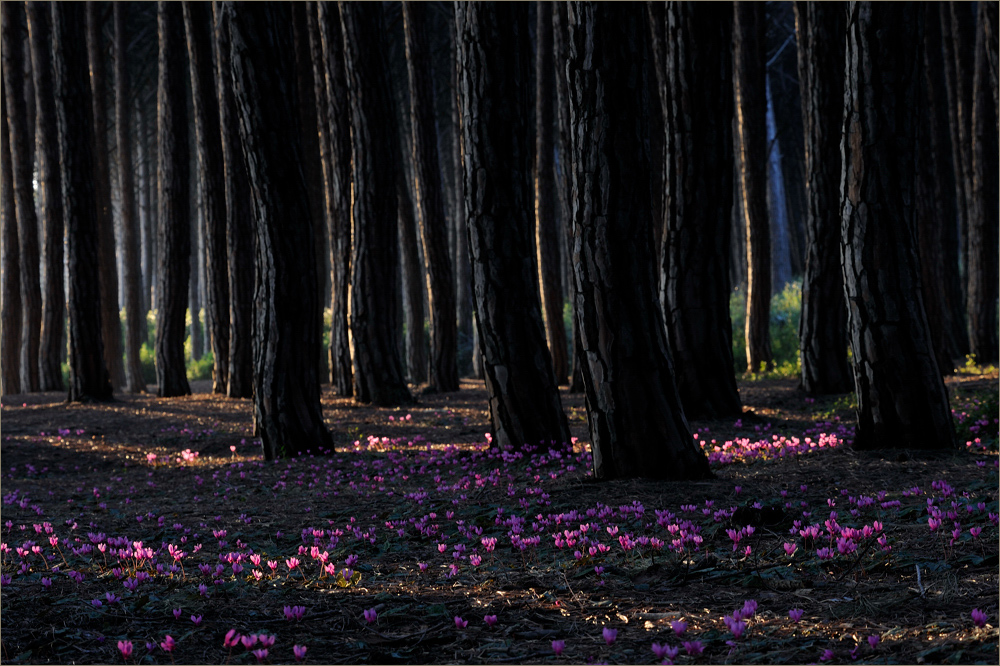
(786, 309)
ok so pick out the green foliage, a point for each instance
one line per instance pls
(786, 310)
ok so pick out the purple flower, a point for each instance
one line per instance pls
(196, 619)
(694, 648)
(177, 613)
(679, 626)
(873, 640)
(610, 635)
(827, 655)
(789, 548)
(979, 617)
(96, 603)
(125, 647)
(490, 620)
(460, 623)
(558, 647)
(749, 607)
(261, 654)
(795, 614)
(664, 651)
(370, 615)
(300, 652)
(232, 639)
(167, 643)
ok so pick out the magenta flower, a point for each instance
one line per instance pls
(261, 654)
(679, 626)
(610, 635)
(664, 651)
(111, 597)
(248, 641)
(232, 639)
(370, 615)
(125, 647)
(694, 648)
(292, 562)
(196, 619)
(267, 641)
(300, 652)
(167, 643)
(294, 612)
(460, 623)
(873, 640)
(558, 647)
(795, 614)
(749, 608)
(96, 603)
(177, 613)
(827, 655)
(789, 548)
(979, 617)
(490, 620)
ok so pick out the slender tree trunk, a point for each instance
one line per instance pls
(111, 325)
(525, 408)
(378, 374)
(10, 270)
(154, 206)
(429, 194)
(134, 313)
(287, 411)
(902, 400)
(820, 29)
(413, 295)
(777, 204)
(194, 286)
(88, 375)
(463, 267)
(22, 154)
(637, 424)
(173, 198)
(990, 22)
(751, 109)
(50, 188)
(145, 227)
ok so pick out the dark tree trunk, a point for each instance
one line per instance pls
(10, 271)
(429, 194)
(494, 87)
(820, 28)
(145, 213)
(174, 216)
(695, 228)
(378, 374)
(546, 225)
(111, 325)
(88, 375)
(50, 187)
(22, 154)
(134, 313)
(194, 286)
(990, 22)
(751, 110)
(463, 267)
(211, 175)
(287, 412)
(984, 216)
(413, 301)
(902, 400)
(637, 424)
(337, 124)
(239, 222)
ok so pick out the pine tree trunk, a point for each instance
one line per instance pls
(463, 267)
(777, 203)
(287, 411)
(990, 22)
(22, 154)
(525, 408)
(637, 424)
(88, 375)
(134, 313)
(145, 227)
(194, 286)
(173, 197)
(902, 400)
(378, 376)
(823, 325)
(50, 188)
(694, 231)
(429, 194)
(751, 109)
(111, 325)
(10, 270)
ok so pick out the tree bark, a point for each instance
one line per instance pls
(88, 375)
(751, 109)
(990, 22)
(637, 424)
(463, 267)
(10, 270)
(820, 29)
(525, 408)
(173, 195)
(145, 213)
(378, 376)
(111, 325)
(50, 188)
(22, 154)
(429, 194)
(287, 411)
(413, 301)
(902, 400)
(695, 228)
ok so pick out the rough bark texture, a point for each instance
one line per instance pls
(10, 271)
(637, 424)
(287, 412)
(990, 22)
(211, 175)
(463, 267)
(88, 375)
(239, 222)
(751, 110)
(902, 401)
(378, 376)
(338, 126)
(174, 217)
(820, 28)
(429, 194)
(695, 228)
(22, 154)
(50, 188)
(496, 143)
(134, 313)
(411, 274)
(111, 325)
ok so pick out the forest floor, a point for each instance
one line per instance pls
(414, 543)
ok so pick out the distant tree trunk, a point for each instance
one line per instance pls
(820, 28)
(751, 110)
(173, 198)
(10, 270)
(146, 228)
(134, 313)
(984, 215)
(413, 295)
(429, 194)
(991, 25)
(50, 188)
(494, 87)
(22, 154)
(111, 325)
(88, 375)
(637, 424)
(194, 286)
(240, 246)
(902, 400)
(211, 173)
(463, 267)
(287, 411)
(777, 202)
(378, 374)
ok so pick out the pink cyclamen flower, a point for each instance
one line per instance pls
(267, 641)
(490, 620)
(168, 643)
(610, 635)
(125, 647)
(300, 652)
(292, 562)
(232, 639)
(248, 641)
(795, 614)
(664, 651)
(196, 619)
(873, 640)
(694, 648)
(979, 617)
(827, 655)
(96, 603)
(558, 647)
(790, 548)
(460, 623)
(370, 615)
(177, 613)
(679, 626)
(261, 654)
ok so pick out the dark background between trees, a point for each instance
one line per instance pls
(388, 196)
